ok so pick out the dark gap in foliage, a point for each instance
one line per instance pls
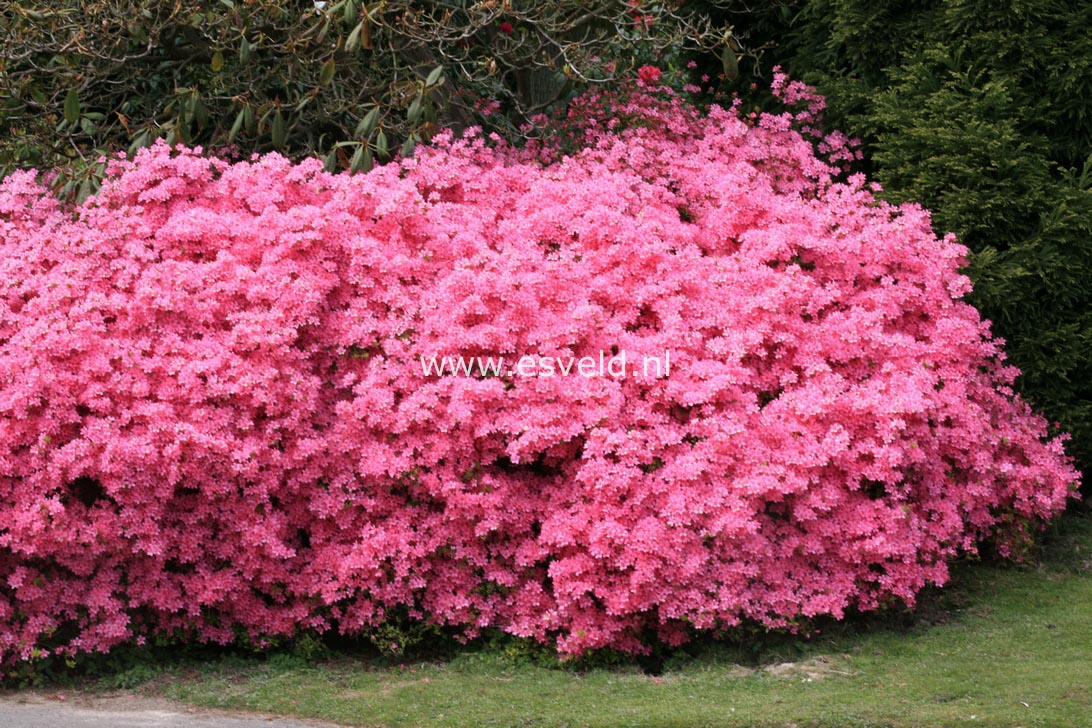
(86, 490)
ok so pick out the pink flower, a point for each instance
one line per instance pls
(649, 75)
(506, 28)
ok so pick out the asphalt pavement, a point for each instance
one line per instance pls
(30, 709)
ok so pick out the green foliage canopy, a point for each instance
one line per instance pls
(352, 81)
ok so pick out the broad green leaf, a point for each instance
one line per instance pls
(200, 112)
(326, 75)
(357, 162)
(217, 62)
(351, 12)
(324, 28)
(238, 125)
(352, 43)
(367, 125)
(190, 108)
(139, 142)
(72, 106)
(278, 132)
(84, 192)
(434, 76)
(730, 63)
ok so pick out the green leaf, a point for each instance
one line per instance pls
(352, 43)
(72, 106)
(414, 113)
(238, 125)
(244, 51)
(138, 33)
(139, 142)
(200, 112)
(330, 163)
(381, 144)
(730, 63)
(250, 122)
(190, 108)
(326, 75)
(434, 76)
(183, 133)
(217, 62)
(357, 162)
(351, 12)
(324, 28)
(408, 146)
(278, 132)
(367, 125)
(84, 192)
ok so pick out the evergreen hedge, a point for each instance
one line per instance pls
(980, 110)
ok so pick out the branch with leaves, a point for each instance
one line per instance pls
(354, 82)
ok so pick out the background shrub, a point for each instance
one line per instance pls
(350, 82)
(215, 425)
(982, 112)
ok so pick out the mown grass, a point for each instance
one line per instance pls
(1001, 646)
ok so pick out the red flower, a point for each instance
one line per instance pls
(506, 28)
(649, 75)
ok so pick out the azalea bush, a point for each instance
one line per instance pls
(215, 423)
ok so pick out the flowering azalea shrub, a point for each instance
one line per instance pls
(214, 420)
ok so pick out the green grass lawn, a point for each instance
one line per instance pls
(1001, 646)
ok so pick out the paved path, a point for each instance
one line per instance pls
(30, 709)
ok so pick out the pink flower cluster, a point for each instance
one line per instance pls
(213, 419)
(649, 75)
